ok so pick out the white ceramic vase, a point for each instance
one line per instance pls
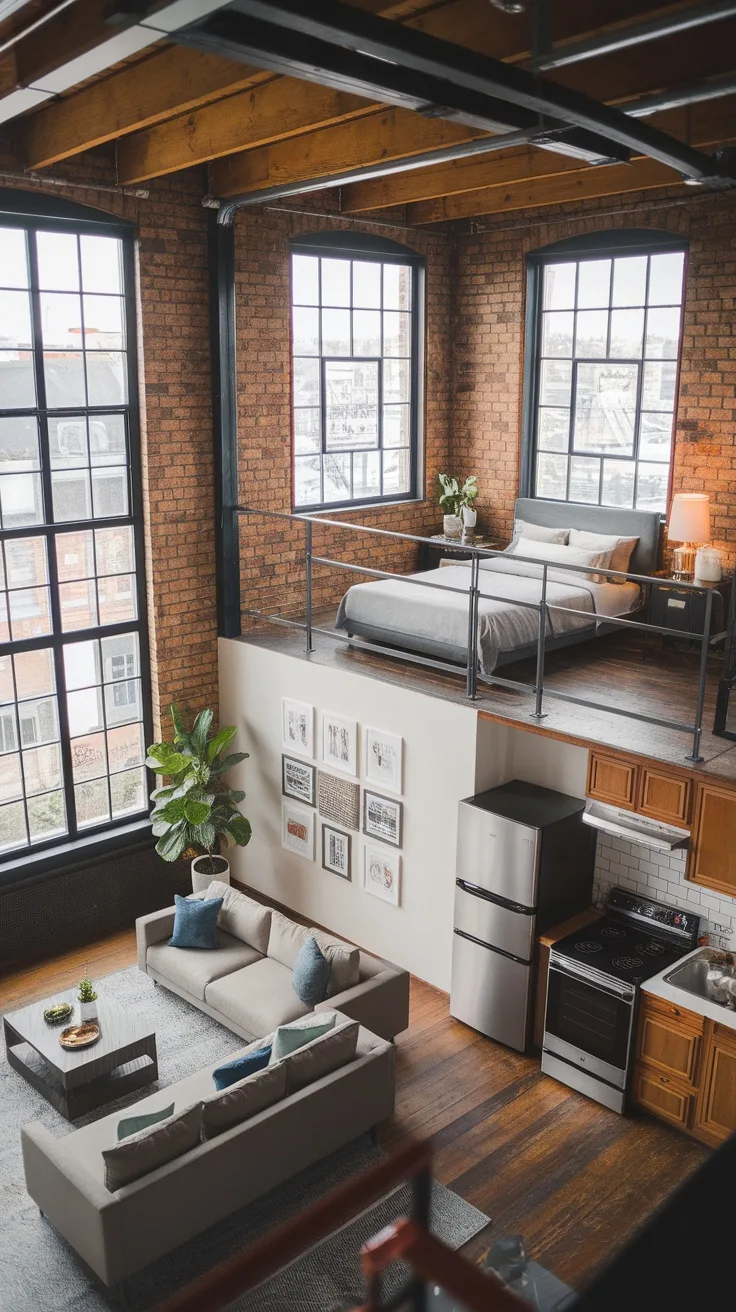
(202, 875)
(452, 526)
(470, 517)
(87, 1011)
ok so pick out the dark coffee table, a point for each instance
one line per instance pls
(123, 1059)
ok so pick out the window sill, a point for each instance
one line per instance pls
(359, 507)
(31, 867)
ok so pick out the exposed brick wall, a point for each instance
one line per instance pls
(489, 339)
(173, 322)
(272, 561)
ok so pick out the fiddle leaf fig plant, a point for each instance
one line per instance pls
(453, 496)
(195, 808)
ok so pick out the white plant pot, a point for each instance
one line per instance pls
(470, 517)
(452, 526)
(87, 1010)
(202, 876)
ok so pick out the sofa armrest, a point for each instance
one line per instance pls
(380, 1003)
(152, 929)
(77, 1204)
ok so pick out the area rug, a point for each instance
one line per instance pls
(40, 1273)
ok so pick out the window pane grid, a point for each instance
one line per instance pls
(67, 543)
(609, 339)
(353, 414)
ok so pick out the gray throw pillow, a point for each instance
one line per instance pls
(321, 1056)
(146, 1151)
(241, 1101)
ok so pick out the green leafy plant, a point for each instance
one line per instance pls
(453, 496)
(87, 990)
(196, 808)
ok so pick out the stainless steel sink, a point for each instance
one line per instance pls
(692, 975)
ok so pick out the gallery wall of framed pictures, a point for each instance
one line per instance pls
(328, 811)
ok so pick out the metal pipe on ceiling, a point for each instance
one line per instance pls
(635, 34)
(691, 93)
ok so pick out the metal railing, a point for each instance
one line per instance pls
(544, 607)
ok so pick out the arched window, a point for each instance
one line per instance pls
(604, 325)
(357, 304)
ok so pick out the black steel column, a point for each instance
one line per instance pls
(225, 425)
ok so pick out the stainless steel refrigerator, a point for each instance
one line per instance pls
(524, 863)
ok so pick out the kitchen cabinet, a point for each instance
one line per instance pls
(664, 796)
(612, 779)
(685, 1070)
(652, 790)
(712, 858)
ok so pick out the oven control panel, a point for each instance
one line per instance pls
(657, 912)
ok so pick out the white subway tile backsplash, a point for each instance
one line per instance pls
(661, 875)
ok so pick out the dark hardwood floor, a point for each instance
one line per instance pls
(571, 1177)
(624, 671)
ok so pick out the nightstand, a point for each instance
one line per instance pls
(676, 607)
(431, 555)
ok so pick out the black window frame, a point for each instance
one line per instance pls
(37, 212)
(590, 246)
(378, 250)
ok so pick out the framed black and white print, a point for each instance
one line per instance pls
(336, 851)
(383, 759)
(299, 780)
(382, 873)
(297, 726)
(340, 743)
(382, 817)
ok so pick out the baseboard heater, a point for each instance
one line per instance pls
(635, 828)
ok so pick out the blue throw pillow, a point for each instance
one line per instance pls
(311, 974)
(195, 923)
(237, 1069)
(133, 1124)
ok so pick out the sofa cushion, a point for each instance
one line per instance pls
(296, 1033)
(320, 1057)
(258, 998)
(195, 923)
(311, 974)
(232, 1072)
(242, 1100)
(242, 916)
(286, 939)
(133, 1124)
(146, 1151)
(344, 961)
(193, 970)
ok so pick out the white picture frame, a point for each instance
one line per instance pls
(340, 743)
(297, 727)
(336, 851)
(382, 873)
(383, 759)
(382, 817)
(297, 829)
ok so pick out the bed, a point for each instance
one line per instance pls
(433, 621)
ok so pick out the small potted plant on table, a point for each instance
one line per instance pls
(87, 999)
(196, 811)
(457, 503)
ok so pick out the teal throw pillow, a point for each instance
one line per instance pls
(311, 974)
(299, 1032)
(132, 1124)
(240, 1067)
(195, 923)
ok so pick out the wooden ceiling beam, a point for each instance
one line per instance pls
(517, 185)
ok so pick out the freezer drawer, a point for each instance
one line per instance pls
(498, 855)
(494, 923)
(490, 992)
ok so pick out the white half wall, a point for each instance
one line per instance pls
(440, 743)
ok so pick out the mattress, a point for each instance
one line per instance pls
(433, 618)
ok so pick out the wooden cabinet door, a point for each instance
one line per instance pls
(669, 1046)
(715, 1116)
(663, 1097)
(665, 796)
(612, 779)
(712, 860)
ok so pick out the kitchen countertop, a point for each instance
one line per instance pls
(658, 988)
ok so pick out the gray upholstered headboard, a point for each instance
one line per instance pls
(644, 524)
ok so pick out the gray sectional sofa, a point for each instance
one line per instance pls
(220, 1150)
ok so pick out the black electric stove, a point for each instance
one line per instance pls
(634, 940)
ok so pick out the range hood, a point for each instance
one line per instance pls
(635, 828)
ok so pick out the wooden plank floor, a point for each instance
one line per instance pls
(571, 1177)
(623, 671)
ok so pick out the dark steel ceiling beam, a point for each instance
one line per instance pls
(635, 34)
(345, 28)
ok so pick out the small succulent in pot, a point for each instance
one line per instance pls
(87, 999)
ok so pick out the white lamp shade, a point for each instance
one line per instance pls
(689, 519)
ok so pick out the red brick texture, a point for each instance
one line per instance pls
(489, 286)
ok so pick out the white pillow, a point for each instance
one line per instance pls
(621, 549)
(561, 555)
(538, 532)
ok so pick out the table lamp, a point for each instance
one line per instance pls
(689, 524)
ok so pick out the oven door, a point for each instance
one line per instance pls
(589, 1022)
